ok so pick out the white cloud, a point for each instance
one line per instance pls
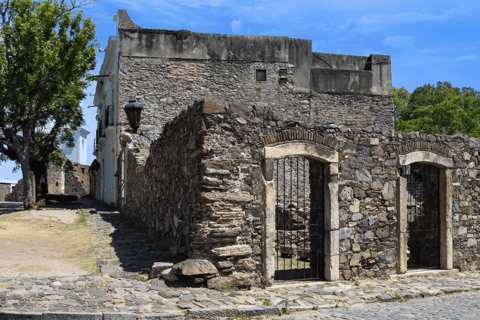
(467, 58)
(399, 41)
(237, 26)
(383, 18)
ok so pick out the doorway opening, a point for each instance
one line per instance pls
(423, 215)
(299, 219)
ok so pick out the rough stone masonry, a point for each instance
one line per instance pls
(221, 109)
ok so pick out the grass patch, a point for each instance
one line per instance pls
(244, 316)
(142, 279)
(399, 298)
(267, 302)
(4, 285)
(226, 288)
(289, 263)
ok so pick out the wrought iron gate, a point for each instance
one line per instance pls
(299, 219)
(423, 209)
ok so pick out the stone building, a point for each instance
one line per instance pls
(270, 161)
(6, 187)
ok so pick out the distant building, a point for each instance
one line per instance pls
(79, 152)
(6, 187)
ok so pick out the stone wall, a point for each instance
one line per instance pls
(202, 184)
(17, 191)
(77, 180)
(5, 189)
(55, 179)
(165, 87)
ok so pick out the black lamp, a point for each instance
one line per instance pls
(133, 110)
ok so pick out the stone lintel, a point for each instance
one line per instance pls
(306, 149)
(425, 157)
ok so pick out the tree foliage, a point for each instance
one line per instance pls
(46, 52)
(438, 109)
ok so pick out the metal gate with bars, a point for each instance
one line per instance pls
(299, 219)
(423, 209)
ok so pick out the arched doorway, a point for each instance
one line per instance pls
(424, 213)
(301, 212)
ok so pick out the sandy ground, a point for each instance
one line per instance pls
(65, 216)
(37, 243)
(34, 258)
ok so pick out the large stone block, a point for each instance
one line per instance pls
(233, 251)
(363, 175)
(193, 267)
(158, 268)
(227, 196)
(246, 265)
(388, 191)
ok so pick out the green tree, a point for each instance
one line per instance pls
(438, 109)
(46, 51)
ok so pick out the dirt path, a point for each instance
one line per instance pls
(45, 243)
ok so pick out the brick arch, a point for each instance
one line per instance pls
(424, 146)
(441, 157)
(272, 139)
(318, 151)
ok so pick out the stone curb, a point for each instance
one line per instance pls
(195, 314)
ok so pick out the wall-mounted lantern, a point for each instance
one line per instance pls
(133, 110)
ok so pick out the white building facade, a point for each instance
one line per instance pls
(77, 153)
(106, 147)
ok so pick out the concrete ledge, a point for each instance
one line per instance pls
(4, 204)
(423, 272)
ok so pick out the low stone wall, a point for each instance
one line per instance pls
(202, 184)
(17, 191)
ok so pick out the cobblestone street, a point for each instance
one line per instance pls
(123, 258)
(465, 306)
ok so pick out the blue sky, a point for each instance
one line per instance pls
(429, 41)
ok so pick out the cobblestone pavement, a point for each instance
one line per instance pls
(464, 306)
(122, 256)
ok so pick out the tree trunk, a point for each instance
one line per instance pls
(40, 171)
(28, 184)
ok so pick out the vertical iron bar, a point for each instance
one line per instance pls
(291, 201)
(305, 217)
(277, 220)
(296, 231)
(284, 213)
